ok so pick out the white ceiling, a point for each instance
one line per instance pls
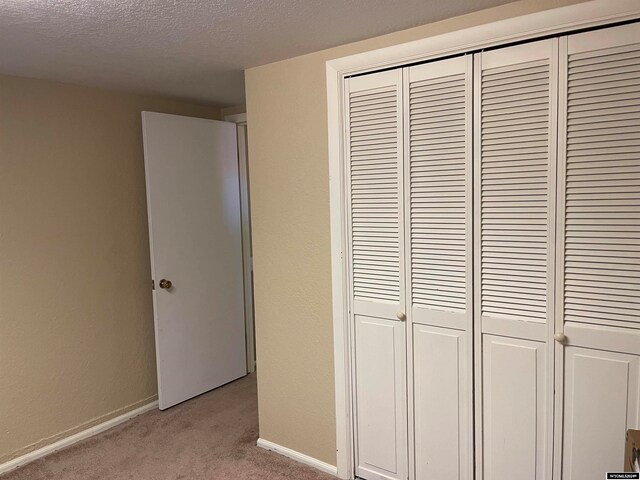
(191, 49)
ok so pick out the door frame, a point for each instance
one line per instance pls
(240, 119)
(594, 13)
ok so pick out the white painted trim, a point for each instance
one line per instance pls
(339, 278)
(239, 118)
(527, 27)
(78, 437)
(297, 456)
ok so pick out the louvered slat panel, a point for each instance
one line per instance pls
(437, 177)
(514, 190)
(602, 215)
(375, 241)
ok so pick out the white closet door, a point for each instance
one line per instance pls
(601, 398)
(375, 153)
(599, 247)
(438, 115)
(516, 95)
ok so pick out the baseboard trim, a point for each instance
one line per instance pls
(298, 457)
(75, 438)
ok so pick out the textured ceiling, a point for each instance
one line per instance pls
(191, 49)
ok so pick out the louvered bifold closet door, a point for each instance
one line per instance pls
(599, 247)
(515, 161)
(376, 246)
(439, 113)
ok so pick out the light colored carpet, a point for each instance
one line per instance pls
(210, 437)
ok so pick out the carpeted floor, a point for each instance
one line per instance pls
(211, 437)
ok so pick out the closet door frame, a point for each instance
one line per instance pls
(557, 21)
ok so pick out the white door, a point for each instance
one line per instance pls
(515, 224)
(438, 221)
(193, 205)
(599, 248)
(377, 273)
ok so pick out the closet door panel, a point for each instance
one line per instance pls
(599, 247)
(439, 192)
(375, 152)
(441, 423)
(601, 403)
(438, 116)
(515, 391)
(380, 397)
(376, 248)
(601, 221)
(515, 122)
(515, 178)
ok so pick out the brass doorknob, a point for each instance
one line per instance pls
(166, 284)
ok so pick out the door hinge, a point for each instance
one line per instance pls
(153, 284)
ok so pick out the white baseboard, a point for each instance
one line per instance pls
(68, 441)
(298, 457)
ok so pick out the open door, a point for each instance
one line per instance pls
(193, 203)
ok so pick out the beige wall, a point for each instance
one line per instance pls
(286, 103)
(76, 323)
